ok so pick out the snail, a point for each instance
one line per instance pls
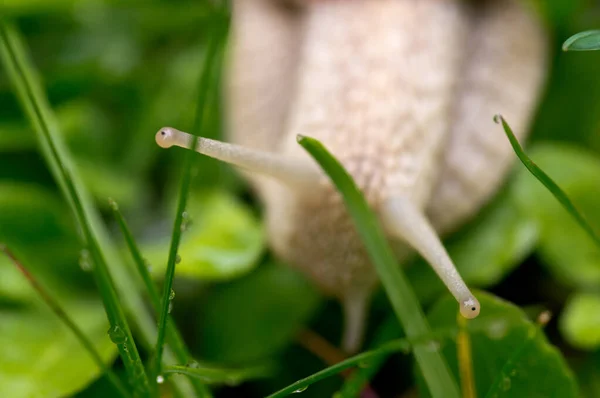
(402, 92)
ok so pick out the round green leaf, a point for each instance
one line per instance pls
(222, 240)
(254, 317)
(46, 360)
(580, 321)
(511, 357)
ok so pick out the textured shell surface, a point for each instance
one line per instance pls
(402, 92)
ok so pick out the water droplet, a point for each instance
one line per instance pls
(433, 346)
(113, 205)
(117, 335)
(506, 384)
(193, 365)
(172, 294)
(497, 119)
(148, 265)
(497, 329)
(364, 364)
(301, 389)
(177, 259)
(160, 379)
(170, 307)
(85, 261)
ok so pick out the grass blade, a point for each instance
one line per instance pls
(546, 180)
(353, 386)
(365, 357)
(62, 315)
(435, 371)
(29, 93)
(212, 51)
(174, 338)
(583, 41)
(214, 375)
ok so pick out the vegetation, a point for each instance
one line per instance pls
(173, 291)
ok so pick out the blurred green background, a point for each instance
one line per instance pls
(116, 71)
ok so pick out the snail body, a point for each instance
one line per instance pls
(402, 93)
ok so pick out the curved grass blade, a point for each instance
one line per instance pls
(546, 180)
(435, 371)
(175, 340)
(29, 93)
(365, 357)
(62, 315)
(353, 386)
(583, 41)
(206, 78)
(214, 375)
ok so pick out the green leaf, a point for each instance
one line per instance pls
(47, 360)
(568, 250)
(583, 41)
(395, 283)
(256, 316)
(510, 356)
(223, 240)
(580, 321)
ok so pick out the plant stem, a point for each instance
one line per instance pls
(175, 340)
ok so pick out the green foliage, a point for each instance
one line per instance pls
(117, 71)
(583, 41)
(511, 356)
(255, 317)
(580, 322)
(222, 240)
(47, 360)
(32, 99)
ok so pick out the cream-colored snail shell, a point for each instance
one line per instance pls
(402, 92)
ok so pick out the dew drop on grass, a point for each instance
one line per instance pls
(84, 260)
(172, 294)
(506, 384)
(170, 307)
(301, 389)
(148, 265)
(177, 259)
(364, 364)
(160, 379)
(113, 205)
(117, 335)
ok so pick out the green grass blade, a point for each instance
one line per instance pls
(29, 94)
(364, 358)
(214, 44)
(583, 41)
(174, 338)
(62, 315)
(435, 371)
(546, 180)
(353, 386)
(212, 375)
